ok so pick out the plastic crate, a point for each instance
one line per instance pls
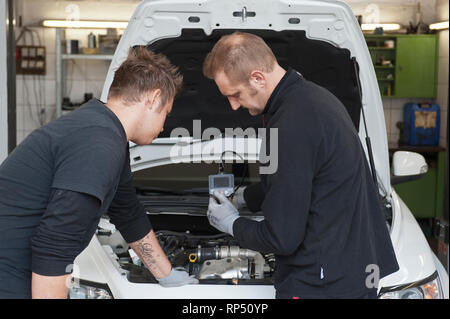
(421, 124)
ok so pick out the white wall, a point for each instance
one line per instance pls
(396, 11)
(3, 87)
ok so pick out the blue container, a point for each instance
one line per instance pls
(421, 124)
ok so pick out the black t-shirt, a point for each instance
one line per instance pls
(322, 215)
(79, 160)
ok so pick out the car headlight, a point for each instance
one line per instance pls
(85, 290)
(429, 288)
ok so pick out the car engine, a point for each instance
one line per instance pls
(213, 259)
(213, 256)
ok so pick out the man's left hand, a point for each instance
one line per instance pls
(223, 214)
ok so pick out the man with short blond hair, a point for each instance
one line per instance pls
(322, 215)
(64, 176)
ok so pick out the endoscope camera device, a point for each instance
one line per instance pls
(222, 183)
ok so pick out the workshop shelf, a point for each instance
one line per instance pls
(412, 63)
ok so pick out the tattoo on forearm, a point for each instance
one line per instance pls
(151, 254)
(147, 253)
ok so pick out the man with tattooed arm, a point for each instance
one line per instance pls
(64, 176)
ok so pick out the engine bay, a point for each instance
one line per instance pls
(212, 258)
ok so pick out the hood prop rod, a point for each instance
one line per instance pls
(368, 143)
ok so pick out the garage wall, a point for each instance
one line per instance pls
(404, 11)
(84, 76)
(396, 11)
(36, 94)
(442, 9)
(393, 113)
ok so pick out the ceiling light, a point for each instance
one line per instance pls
(85, 24)
(385, 26)
(439, 25)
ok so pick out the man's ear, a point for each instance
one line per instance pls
(257, 79)
(153, 99)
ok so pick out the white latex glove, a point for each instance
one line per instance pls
(222, 215)
(238, 198)
(177, 278)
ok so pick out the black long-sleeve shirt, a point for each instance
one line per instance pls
(322, 215)
(55, 186)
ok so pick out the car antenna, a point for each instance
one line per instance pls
(368, 143)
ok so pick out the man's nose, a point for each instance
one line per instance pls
(234, 103)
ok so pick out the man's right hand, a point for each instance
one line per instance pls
(154, 258)
(177, 278)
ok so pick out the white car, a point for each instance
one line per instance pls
(319, 38)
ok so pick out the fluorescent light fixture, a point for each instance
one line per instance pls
(385, 26)
(85, 24)
(439, 25)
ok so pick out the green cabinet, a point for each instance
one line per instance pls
(406, 65)
(416, 67)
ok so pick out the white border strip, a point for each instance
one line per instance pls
(3, 85)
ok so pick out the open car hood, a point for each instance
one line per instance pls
(319, 38)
